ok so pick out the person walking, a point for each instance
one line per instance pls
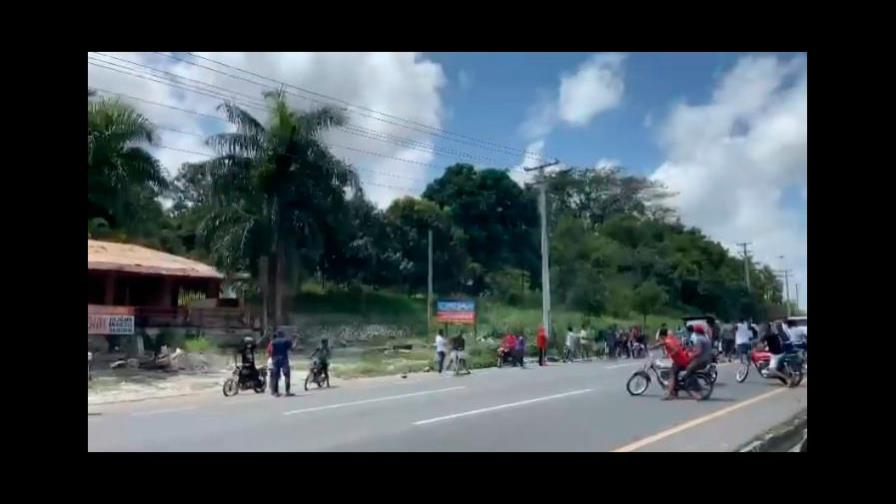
(441, 342)
(541, 341)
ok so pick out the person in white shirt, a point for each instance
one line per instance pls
(742, 336)
(441, 343)
(570, 345)
(797, 335)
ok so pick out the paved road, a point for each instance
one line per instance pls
(572, 407)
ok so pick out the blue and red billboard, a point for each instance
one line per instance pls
(456, 312)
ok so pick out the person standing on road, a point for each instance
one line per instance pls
(280, 347)
(440, 349)
(584, 343)
(458, 353)
(520, 350)
(570, 345)
(541, 341)
(612, 341)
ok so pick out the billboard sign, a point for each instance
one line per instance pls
(456, 312)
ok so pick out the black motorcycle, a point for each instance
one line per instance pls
(245, 378)
(317, 376)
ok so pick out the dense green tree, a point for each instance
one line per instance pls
(498, 217)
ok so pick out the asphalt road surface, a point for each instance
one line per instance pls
(581, 406)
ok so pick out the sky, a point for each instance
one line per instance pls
(726, 132)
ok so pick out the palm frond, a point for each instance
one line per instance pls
(244, 121)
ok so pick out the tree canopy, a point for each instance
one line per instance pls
(274, 194)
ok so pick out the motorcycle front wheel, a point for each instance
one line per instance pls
(713, 374)
(231, 388)
(637, 384)
(743, 370)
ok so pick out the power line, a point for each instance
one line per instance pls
(208, 158)
(195, 112)
(253, 103)
(458, 137)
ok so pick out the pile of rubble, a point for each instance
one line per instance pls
(167, 361)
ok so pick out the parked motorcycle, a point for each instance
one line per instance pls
(700, 381)
(317, 376)
(243, 379)
(791, 366)
(505, 356)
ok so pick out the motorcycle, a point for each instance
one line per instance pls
(243, 379)
(505, 356)
(791, 364)
(317, 376)
(700, 381)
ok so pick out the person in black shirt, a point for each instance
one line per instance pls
(775, 346)
(247, 359)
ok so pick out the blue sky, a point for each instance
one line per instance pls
(504, 85)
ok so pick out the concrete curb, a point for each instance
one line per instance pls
(782, 437)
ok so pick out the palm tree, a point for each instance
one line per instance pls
(121, 173)
(275, 186)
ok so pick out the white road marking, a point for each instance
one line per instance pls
(697, 421)
(500, 406)
(158, 412)
(366, 401)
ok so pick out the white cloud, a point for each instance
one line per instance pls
(465, 80)
(731, 160)
(604, 163)
(597, 86)
(405, 85)
(529, 159)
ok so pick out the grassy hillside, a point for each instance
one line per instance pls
(376, 356)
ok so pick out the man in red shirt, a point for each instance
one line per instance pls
(508, 345)
(680, 359)
(541, 341)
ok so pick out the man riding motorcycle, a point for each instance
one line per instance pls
(775, 345)
(701, 355)
(680, 359)
(247, 360)
(323, 357)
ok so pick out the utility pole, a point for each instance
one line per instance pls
(746, 253)
(796, 286)
(786, 274)
(429, 285)
(545, 264)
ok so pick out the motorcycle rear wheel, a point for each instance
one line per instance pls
(309, 379)
(638, 382)
(231, 388)
(261, 386)
(704, 384)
